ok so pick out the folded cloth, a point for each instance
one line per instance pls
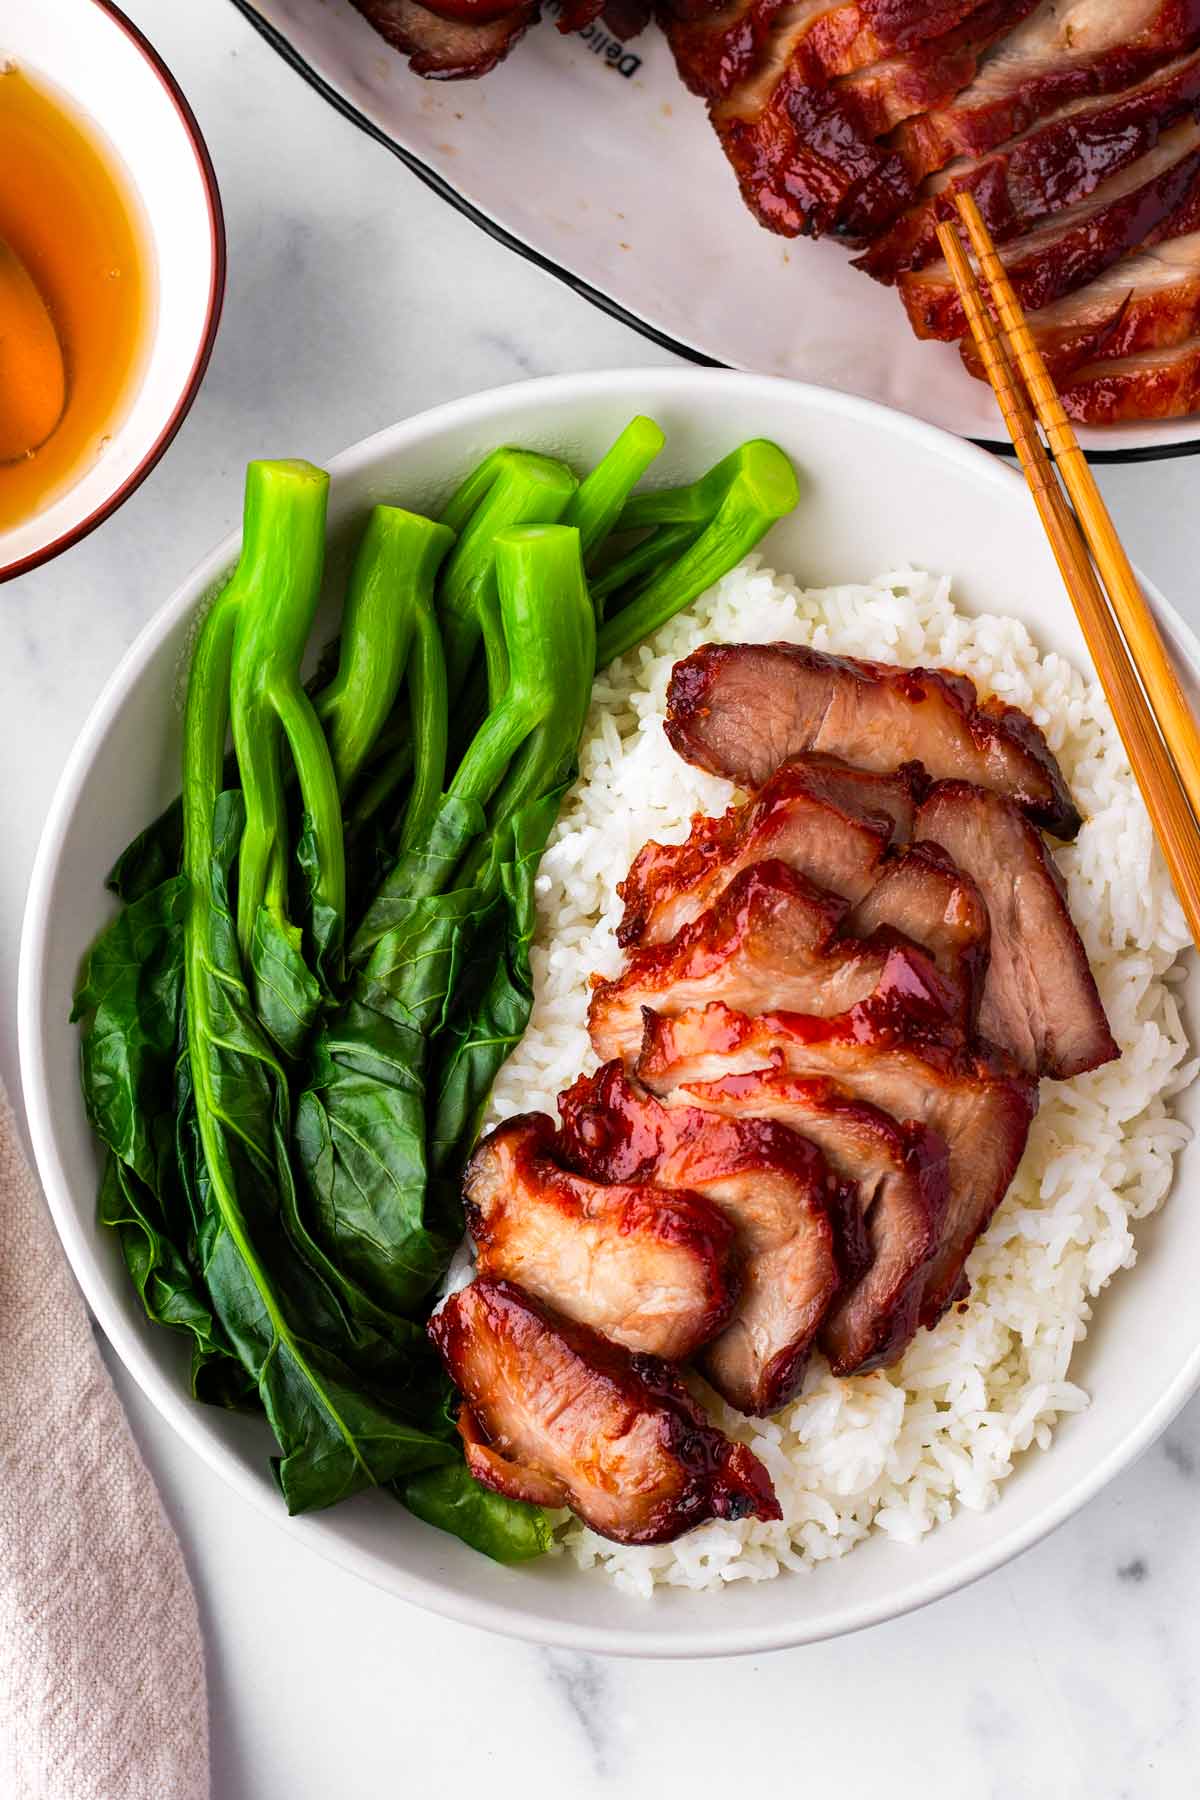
(102, 1692)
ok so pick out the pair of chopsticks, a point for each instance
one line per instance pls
(1148, 705)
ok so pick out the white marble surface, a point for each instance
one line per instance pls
(356, 297)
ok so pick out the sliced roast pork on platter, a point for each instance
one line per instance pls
(1153, 198)
(1150, 301)
(449, 42)
(1058, 164)
(1066, 50)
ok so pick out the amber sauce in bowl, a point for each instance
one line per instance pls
(69, 210)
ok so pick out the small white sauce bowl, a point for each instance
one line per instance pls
(93, 55)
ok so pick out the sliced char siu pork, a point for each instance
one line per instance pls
(900, 1174)
(1067, 249)
(650, 1267)
(1058, 164)
(798, 1227)
(1066, 50)
(740, 710)
(556, 1415)
(1151, 384)
(975, 1099)
(807, 147)
(770, 941)
(824, 819)
(1150, 301)
(458, 41)
(925, 897)
(1040, 1001)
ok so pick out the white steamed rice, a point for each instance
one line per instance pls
(895, 1451)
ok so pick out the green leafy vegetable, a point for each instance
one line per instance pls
(130, 1001)
(286, 1113)
(283, 1319)
(508, 1531)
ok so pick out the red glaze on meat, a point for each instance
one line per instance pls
(1057, 165)
(1148, 301)
(740, 710)
(1153, 384)
(1040, 1001)
(900, 1174)
(826, 820)
(924, 895)
(768, 942)
(651, 1267)
(975, 1099)
(1066, 50)
(1072, 247)
(556, 1414)
(806, 146)
(458, 47)
(801, 152)
(791, 1213)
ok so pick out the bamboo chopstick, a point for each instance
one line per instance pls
(1128, 602)
(1156, 775)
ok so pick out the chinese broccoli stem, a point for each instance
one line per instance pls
(513, 487)
(391, 583)
(762, 490)
(275, 587)
(600, 498)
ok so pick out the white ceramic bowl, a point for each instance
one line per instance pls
(103, 65)
(877, 489)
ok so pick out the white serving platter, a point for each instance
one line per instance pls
(591, 158)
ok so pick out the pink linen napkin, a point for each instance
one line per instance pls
(102, 1693)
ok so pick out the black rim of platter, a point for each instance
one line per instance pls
(597, 297)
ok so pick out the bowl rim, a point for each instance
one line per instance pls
(79, 1241)
(212, 318)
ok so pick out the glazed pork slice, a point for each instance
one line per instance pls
(762, 39)
(1070, 248)
(1040, 1001)
(925, 897)
(650, 1267)
(740, 710)
(1148, 301)
(800, 149)
(770, 941)
(1056, 165)
(828, 821)
(806, 148)
(1066, 50)
(900, 1174)
(556, 1415)
(457, 43)
(1151, 384)
(974, 1099)
(798, 1229)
